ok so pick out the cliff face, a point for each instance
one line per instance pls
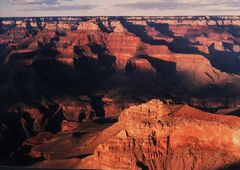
(158, 136)
(189, 50)
(123, 37)
(154, 135)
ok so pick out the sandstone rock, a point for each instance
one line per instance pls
(236, 48)
(154, 50)
(40, 138)
(211, 22)
(203, 48)
(63, 25)
(154, 110)
(117, 26)
(123, 46)
(77, 113)
(76, 110)
(37, 118)
(21, 24)
(68, 126)
(139, 65)
(218, 46)
(50, 26)
(139, 22)
(89, 25)
(194, 71)
(156, 136)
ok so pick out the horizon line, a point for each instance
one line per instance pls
(119, 16)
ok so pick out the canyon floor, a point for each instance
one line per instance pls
(120, 92)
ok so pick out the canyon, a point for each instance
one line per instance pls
(120, 92)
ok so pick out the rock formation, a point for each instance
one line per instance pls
(140, 65)
(65, 80)
(89, 26)
(158, 136)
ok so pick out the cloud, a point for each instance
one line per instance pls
(118, 7)
(181, 4)
(34, 2)
(49, 5)
(61, 7)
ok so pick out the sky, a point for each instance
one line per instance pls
(11, 8)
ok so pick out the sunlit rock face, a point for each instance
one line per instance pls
(64, 82)
(158, 136)
(89, 26)
(155, 135)
(139, 65)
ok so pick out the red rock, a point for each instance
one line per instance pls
(37, 118)
(117, 27)
(123, 46)
(89, 26)
(38, 139)
(161, 137)
(68, 126)
(139, 65)
(236, 48)
(77, 113)
(65, 60)
(203, 48)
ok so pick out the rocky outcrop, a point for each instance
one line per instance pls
(139, 65)
(203, 48)
(117, 27)
(158, 136)
(78, 113)
(236, 48)
(67, 126)
(154, 135)
(89, 26)
(123, 46)
(201, 20)
(192, 68)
